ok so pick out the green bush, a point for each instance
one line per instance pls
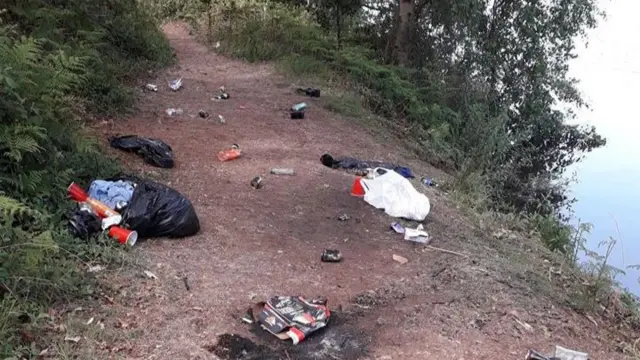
(59, 61)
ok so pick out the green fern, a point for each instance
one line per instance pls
(10, 209)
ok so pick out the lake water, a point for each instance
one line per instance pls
(608, 191)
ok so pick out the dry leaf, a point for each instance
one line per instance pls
(150, 275)
(75, 339)
(400, 259)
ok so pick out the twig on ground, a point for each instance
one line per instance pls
(446, 251)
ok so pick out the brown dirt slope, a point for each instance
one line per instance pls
(258, 243)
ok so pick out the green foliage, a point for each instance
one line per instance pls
(57, 59)
(108, 43)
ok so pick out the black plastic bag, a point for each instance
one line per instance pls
(153, 151)
(84, 224)
(156, 210)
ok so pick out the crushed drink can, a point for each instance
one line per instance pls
(256, 183)
(330, 255)
(296, 115)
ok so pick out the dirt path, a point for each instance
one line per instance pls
(258, 243)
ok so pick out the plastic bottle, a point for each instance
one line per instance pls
(282, 171)
(229, 154)
(299, 107)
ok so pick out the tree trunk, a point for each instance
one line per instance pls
(402, 41)
(339, 26)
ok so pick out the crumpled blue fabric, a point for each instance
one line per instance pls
(111, 192)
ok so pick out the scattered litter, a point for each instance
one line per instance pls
(83, 223)
(567, 354)
(217, 44)
(186, 283)
(299, 107)
(96, 268)
(150, 275)
(396, 196)
(173, 111)
(357, 189)
(229, 154)
(560, 354)
(282, 171)
(311, 92)
(416, 235)
(344, 217)
(292, 317)
(157, 210)
(153, 210)
(111, 221)
(401, 259)
(349, 163)
(256, 182)
(175, 85)
(90, 321)
(427, 181)
(221, 119)
(110, 192)
(297, 115)
(533, 355)
(76, 193)
(247, 318)
(74, 339)
(123, 236)
(330, 255)
(154, 152)
(151, 87)
(222, 94)
(44, 352)
(397, 227)
(203, 114)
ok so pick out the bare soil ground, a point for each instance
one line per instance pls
(493, 304)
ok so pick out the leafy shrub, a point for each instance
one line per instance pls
(59, 61)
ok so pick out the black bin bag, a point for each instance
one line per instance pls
(156, 210)
(154, 152)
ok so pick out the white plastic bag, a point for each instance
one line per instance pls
(396, 195)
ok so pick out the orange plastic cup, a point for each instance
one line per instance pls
(124, 236)
(76, 193)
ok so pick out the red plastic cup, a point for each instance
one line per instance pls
(357, 189)
(76, 193)
(124, 236)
